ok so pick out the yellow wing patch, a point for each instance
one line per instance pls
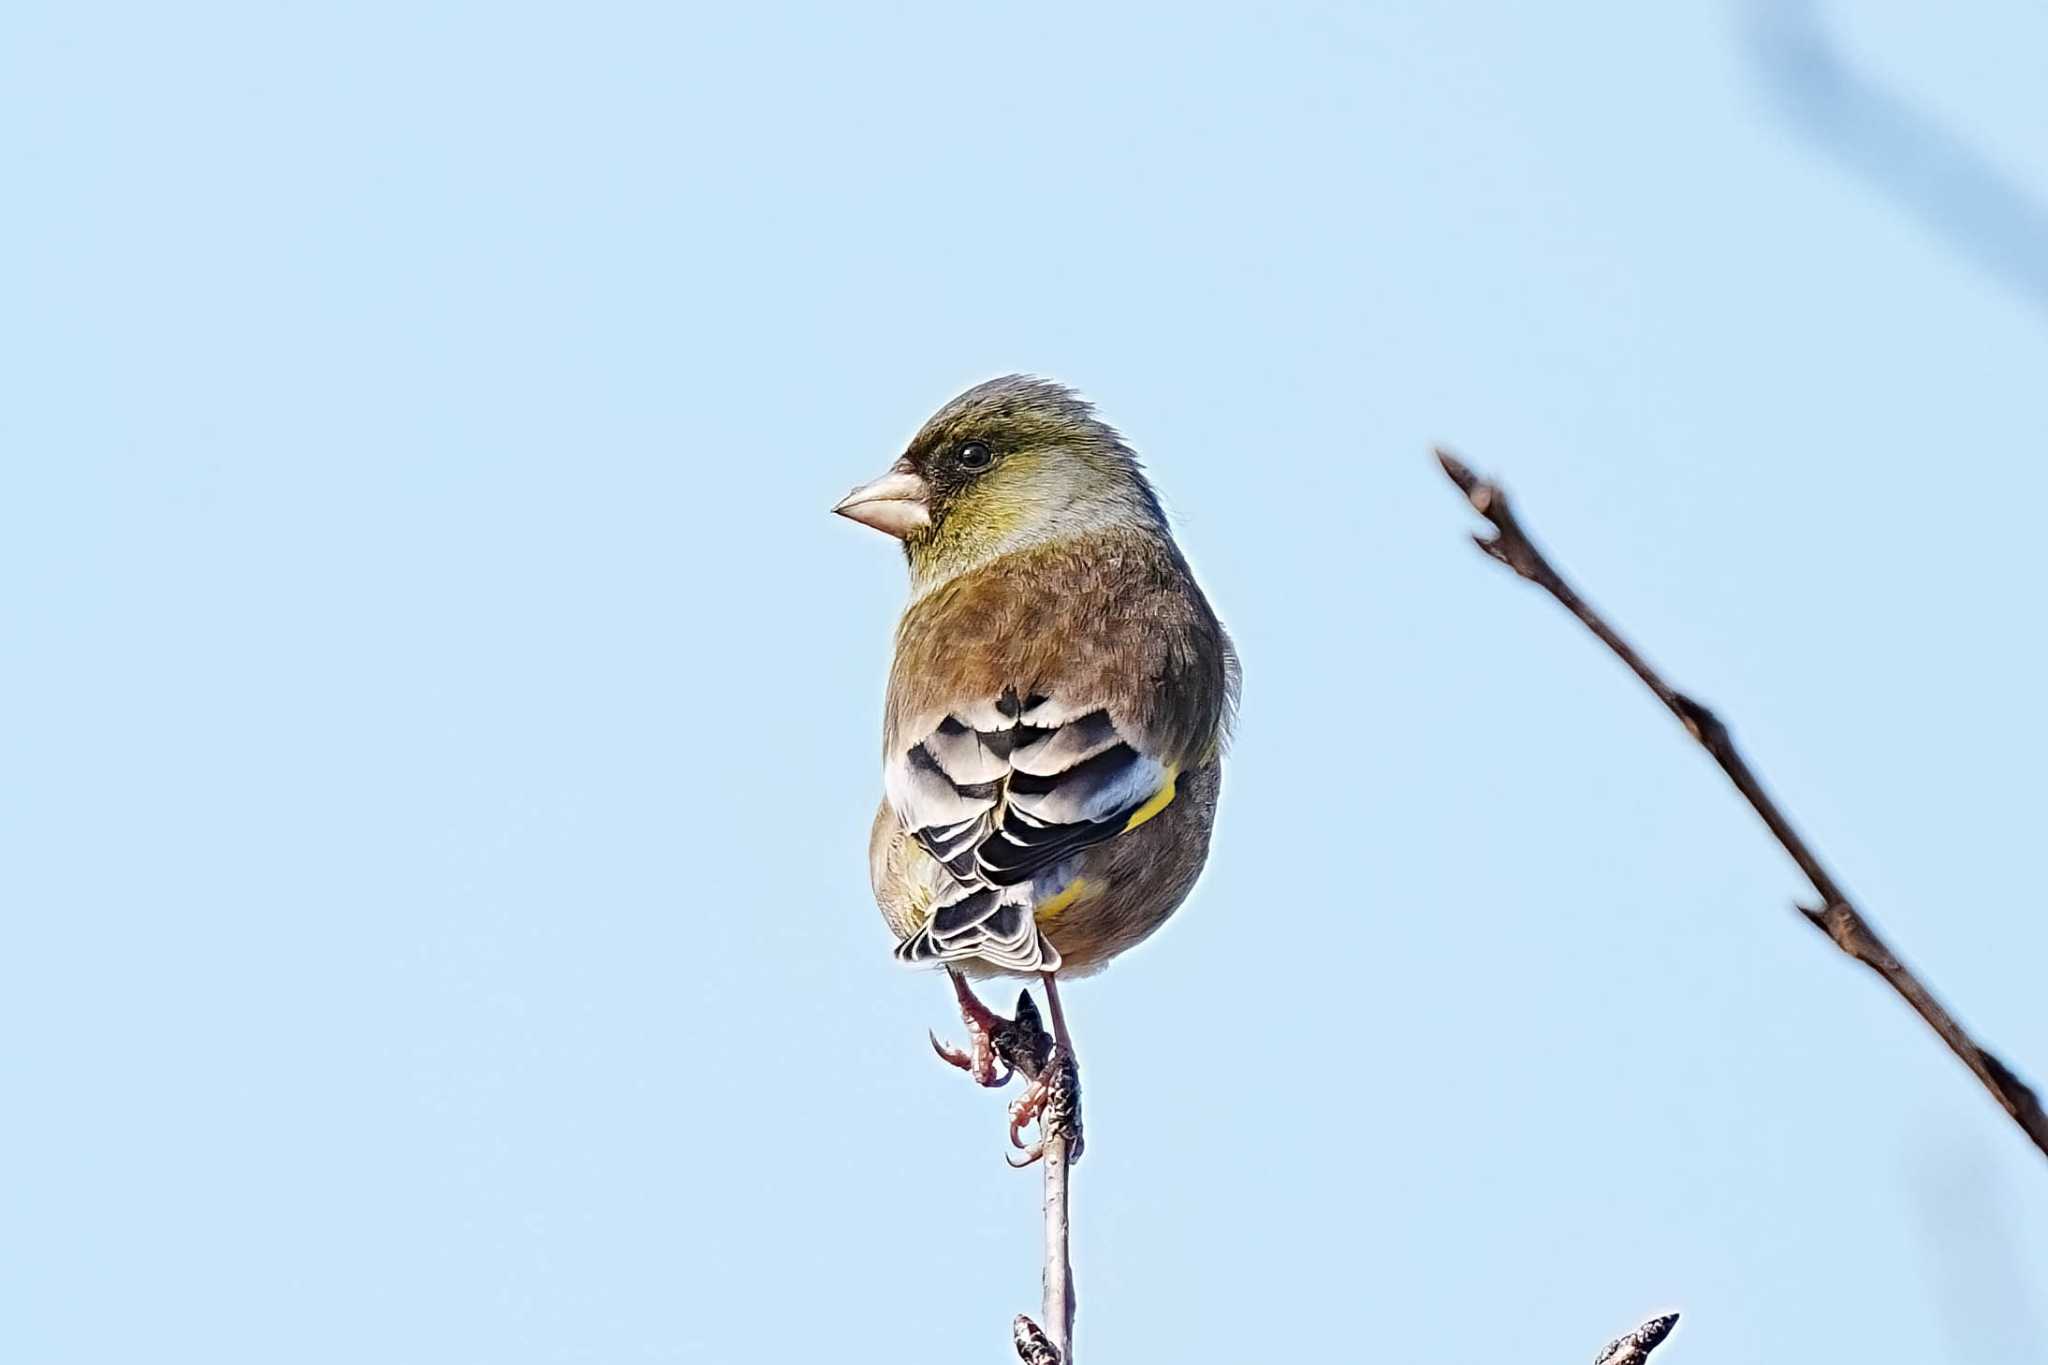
(1161, 799)
(1052, 908)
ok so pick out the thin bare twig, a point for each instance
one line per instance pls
(1635, 1348)
(1027, 1049)
(1034, 1347)
(1835, 916)
(1062, 1144)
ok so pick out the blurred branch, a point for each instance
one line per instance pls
(1835, 916)
(1635, 1348)
(1957, 192)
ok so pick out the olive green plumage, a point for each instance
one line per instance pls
(1060, 697)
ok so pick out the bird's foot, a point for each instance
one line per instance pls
(1023, 1047)
(977, 1059)
(1054, 1099)
(984, 1030)
(1054, 1103)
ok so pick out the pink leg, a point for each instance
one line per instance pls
(979, 1061)
(1060, 1041)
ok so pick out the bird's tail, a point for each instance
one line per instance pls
(991, 923)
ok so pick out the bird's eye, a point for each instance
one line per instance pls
(974, 455)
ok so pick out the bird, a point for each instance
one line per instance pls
(1058, 706)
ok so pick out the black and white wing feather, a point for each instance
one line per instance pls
(1002, 795)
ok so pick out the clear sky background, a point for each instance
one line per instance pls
(440, 716)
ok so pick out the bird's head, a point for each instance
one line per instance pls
(1009, 463)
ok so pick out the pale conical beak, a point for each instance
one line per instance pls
(895, 504)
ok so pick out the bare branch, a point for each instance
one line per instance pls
(1062, 1139)
(1836, 916)
(1025, 1046)
(1635, 1348)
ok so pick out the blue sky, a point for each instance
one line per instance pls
(441, 720)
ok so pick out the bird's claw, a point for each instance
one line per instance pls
(1027, 1107)
(1054, 1101)
(1032, 1156)
(1020, 1115)
(979, 1064)
(1024, 1048)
